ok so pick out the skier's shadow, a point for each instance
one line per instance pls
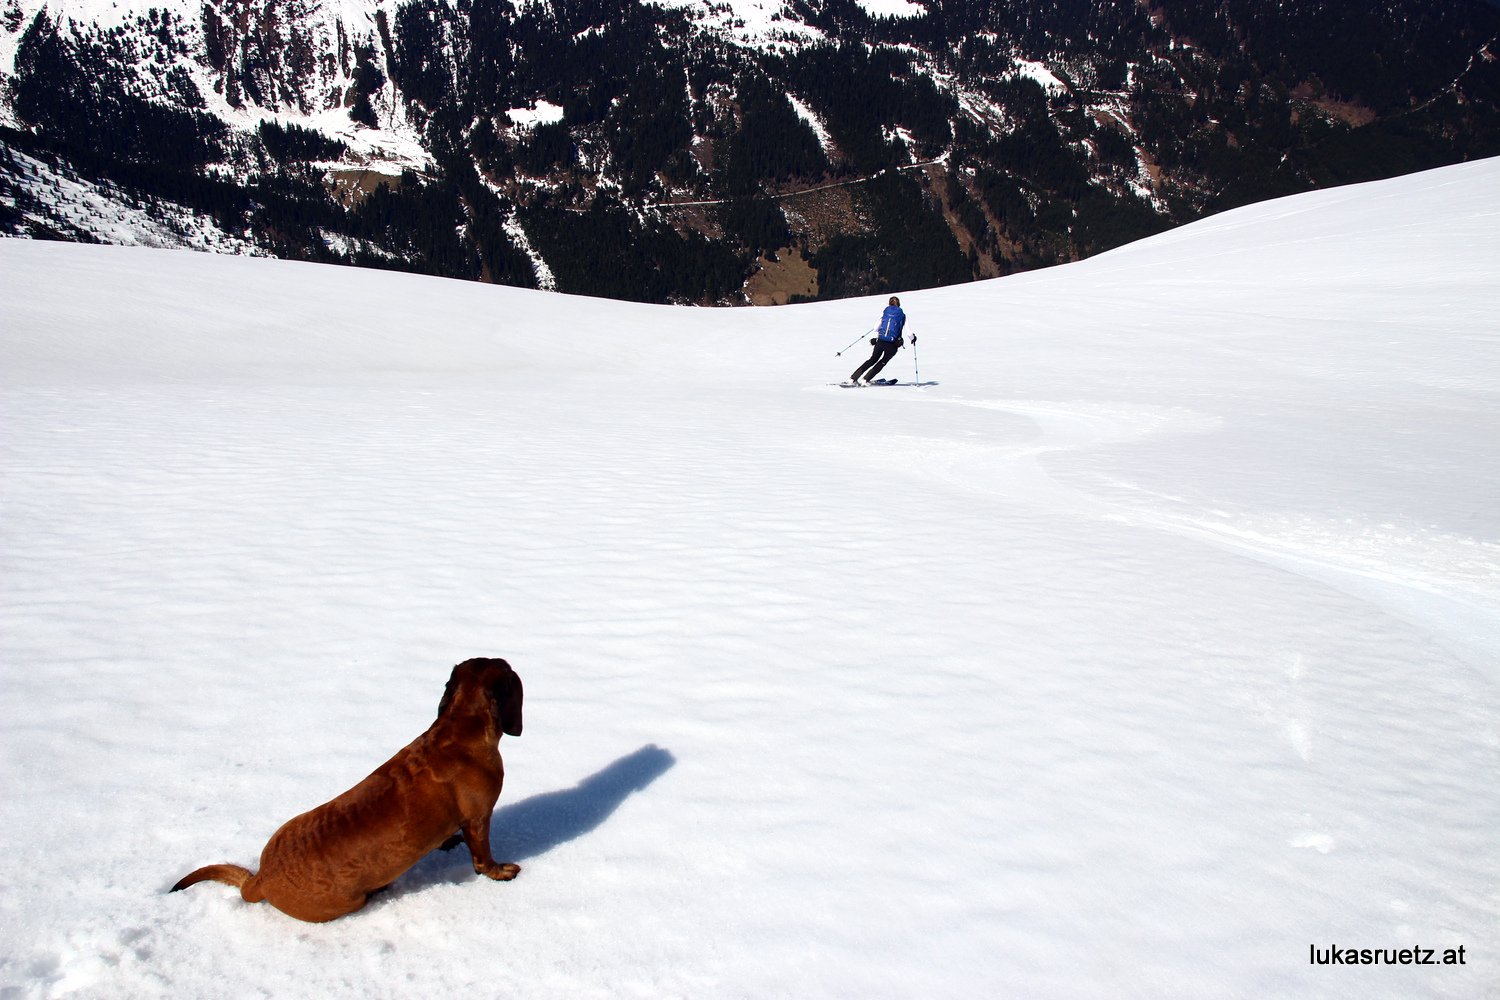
(537, 824)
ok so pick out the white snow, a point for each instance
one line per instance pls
(1039, 72)
(981, 109)
(395, 146)
(58, 198)
(902, 135)
(892, 8)
(545, 279)
(1150, 648)
(815, 122)
(544, 113)
(765, 24)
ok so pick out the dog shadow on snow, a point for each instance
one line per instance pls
(535, 825)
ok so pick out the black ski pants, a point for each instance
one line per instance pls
(884, 351)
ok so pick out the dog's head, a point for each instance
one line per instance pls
(490, 682)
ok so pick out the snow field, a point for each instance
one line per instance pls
(1149, 648)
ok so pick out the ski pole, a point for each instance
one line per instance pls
(839, 354)
(916, 365)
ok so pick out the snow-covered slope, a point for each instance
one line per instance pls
(1149, 652)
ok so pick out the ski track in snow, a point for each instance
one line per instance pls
(1423, 573)
(1147, 648)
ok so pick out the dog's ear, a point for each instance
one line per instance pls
(508, 697)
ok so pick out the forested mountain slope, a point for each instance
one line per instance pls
(714, 152)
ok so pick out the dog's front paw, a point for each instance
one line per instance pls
(499, 872)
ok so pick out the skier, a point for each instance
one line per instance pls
(886, 344)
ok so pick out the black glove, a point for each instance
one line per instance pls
(874, 341)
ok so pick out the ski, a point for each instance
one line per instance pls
(877, 382)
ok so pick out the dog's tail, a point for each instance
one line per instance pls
(241, 878)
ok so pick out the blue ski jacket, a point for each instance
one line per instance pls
(891, 323)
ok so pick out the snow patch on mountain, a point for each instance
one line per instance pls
(892, 8)
(54, 200)
(545, 279)
(815, 122)
(767, 24)
(1040, 73)
(308, 92)
(540, 113)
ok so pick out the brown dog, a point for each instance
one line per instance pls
(325, 863)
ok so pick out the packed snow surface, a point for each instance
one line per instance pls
(1147, 652)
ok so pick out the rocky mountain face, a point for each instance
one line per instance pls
(714, 151)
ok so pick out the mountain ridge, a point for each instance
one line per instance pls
(715, 152)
